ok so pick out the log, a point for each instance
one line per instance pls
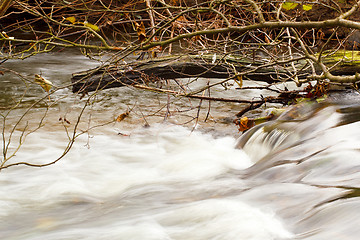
(186, 66)
(169, 67)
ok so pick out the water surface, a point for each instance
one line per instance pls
(287, 179)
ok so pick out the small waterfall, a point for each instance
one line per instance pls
(308, 168)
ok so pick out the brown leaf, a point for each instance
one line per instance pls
(118, 48)
(196, 38)
(122, 116)
(245, 123)
(140, 29)
(267, 40)
(180, 22)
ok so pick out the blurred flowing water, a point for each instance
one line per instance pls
(286, 179)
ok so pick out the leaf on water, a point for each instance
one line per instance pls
(245, 123)
(289, 5)
(45, 84)
(92, 26)
(307, 7)
(140, 29)
(71, 19)
(122, 116)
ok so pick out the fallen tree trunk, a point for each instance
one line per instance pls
(169, 67)
(185, 66)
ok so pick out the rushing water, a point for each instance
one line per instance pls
(286, 179)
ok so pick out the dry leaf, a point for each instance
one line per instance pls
(71, 19)
(245, 123)
(180, 22)
(267, 40)
(140, 29)
(196, 38)
(122, 116)
(33, 45)
(118, 48)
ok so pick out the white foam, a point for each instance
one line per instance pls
(134, 169)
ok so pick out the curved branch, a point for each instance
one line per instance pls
(337, 22)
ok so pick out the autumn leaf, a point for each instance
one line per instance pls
(92, 26)
(180, 22)
(45, 84)
(122, 116)
(182, 19)
(267, 40)
(245, 123)
(140, 29)
(307, 7)
(33, 45)
(71, 19)
(289, 5)
(196, 38)
(118, 48)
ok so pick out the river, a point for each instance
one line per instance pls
(286, 179)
